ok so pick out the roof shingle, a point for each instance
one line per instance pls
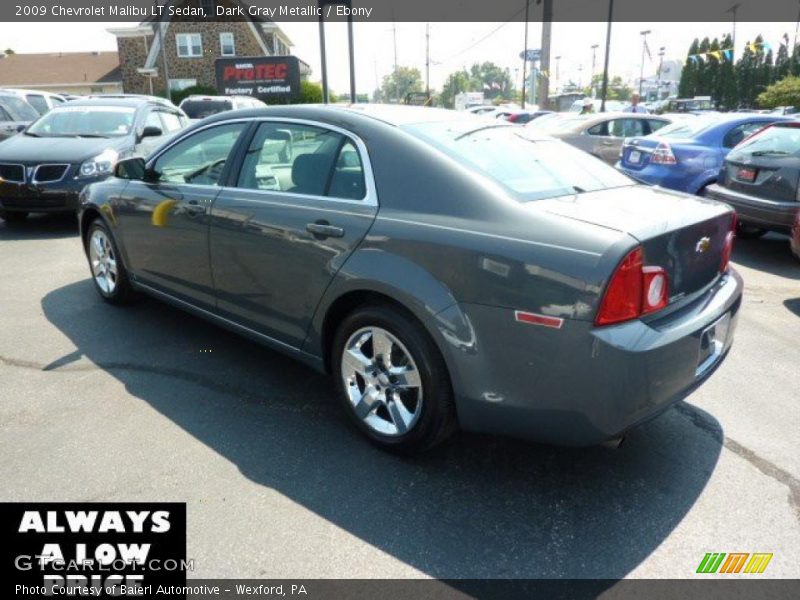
(59, 68)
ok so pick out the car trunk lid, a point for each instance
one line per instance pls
(683, 234)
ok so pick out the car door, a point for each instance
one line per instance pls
(303, 200)
(164, 220)
(618, 129)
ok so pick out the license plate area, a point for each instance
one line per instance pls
(634, 157)
(712, 343)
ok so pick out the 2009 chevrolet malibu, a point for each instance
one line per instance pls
(447, 272)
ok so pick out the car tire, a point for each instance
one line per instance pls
(749, 232)
(109, 275)
(404, 402)
(13, 216)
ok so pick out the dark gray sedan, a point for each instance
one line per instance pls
(445, 270)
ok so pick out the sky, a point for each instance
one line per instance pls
(452, 45)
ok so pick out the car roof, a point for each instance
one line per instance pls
(130, 102)
(16, 91)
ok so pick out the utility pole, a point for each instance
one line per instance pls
(352, 58)
(604, 93)
(428, 62)
(525, 55)
(558, 62)
(644, 35)
(322, 59)
(594, 62)
(163, 56)
(796, 27)
(661, 52)
(544, 81)
(733, 10)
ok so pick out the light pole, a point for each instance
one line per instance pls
(644, 35)
(604, 92)
(733, 10)
(525, 53)
(661, 52)
(558, 62)
(594, 59)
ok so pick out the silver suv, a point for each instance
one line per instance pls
(15, 114)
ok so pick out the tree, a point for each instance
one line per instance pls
(455, 84)
(398, 84)
(617, 90)
(688, 82)
(785, 92)
(494, 81)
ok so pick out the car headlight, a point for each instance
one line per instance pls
(102, 164)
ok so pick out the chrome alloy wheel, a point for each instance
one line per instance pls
(103, 261)
(382, 381)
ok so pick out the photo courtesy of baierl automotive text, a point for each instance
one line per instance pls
(358, 299)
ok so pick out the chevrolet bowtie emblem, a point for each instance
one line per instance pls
(703, 245)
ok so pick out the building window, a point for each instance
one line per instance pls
(190, 45)
(176, 85)
(226, 44)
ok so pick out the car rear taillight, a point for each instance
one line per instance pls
(512, 118)
(663, 155)
(727, 249)
(634, 290)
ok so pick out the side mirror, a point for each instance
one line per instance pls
(21, 128)
(131, 168)
(151, 131)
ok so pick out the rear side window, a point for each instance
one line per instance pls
(302, 159)
(4, 116)
(38, 102)
(19, 109)
(599, 129)
(529, 168)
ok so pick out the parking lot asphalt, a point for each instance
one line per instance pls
(147, 403)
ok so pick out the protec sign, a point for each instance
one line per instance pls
(263, 77)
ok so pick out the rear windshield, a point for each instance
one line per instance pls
(690, 127)
(18, 108)
(531, 169)
(200, 109)
(773, 141)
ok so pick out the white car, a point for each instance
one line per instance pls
(41, 101)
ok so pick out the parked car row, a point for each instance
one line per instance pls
(45, 161)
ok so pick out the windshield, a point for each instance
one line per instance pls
(18, 108)
(689, 128)
(84, 121)
(529, 168)
(772, 141)
(200, 109)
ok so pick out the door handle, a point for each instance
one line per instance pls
(324, 229)
(194, 207)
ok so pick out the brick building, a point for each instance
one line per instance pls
(192, 48)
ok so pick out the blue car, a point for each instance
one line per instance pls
(687, 155)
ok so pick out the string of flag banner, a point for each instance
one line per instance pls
(727, 53)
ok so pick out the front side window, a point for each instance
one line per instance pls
(85, 121)
(778, 140)
(200, 158)
(190, 45)
(226, 44)
(739, 133)
(301, 159)
(171, 122)
(529, 168)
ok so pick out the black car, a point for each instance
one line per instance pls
(761, 180)
(446, 270)
(44, 168)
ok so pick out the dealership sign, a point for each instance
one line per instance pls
(264, 77)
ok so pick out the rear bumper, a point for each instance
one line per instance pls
(60, 196)
(670, 177)
(769, 214)
(582, 385)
